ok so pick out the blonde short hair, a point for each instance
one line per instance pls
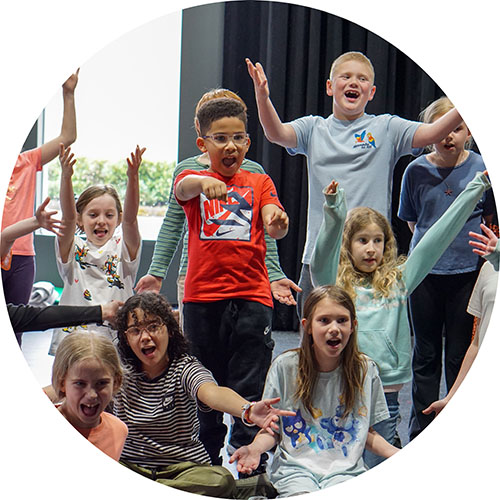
(353, 56)
(435, 110)
(79, 346)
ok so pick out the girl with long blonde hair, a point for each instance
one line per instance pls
(337, 396)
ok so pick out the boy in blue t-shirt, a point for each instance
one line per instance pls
(354, 148)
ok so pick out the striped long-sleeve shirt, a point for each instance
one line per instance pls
(161, 414)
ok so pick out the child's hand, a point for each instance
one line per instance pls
(277, 218)
(134, 162)
(45, 219)
(331, 188)
(248, 459)
(266, 416)
(70, 84)
(214, 189)
(66, 159)
(486, 244)
(109, 310)
(259, 79)
(436, 407)
(282, 291)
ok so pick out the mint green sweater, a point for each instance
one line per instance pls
(383, 327)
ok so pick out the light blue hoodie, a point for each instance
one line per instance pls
(383, 327)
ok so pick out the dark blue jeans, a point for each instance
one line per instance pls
(232, 338)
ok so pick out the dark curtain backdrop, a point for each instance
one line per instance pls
(296, 45)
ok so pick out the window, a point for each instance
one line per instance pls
(127, 94)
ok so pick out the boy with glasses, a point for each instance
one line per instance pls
(227, 296)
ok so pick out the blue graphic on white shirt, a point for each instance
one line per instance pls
(332, 433)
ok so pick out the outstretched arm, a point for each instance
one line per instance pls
(68, 128)
(275, 221)
(130, 226)
(248, 457)
(275, 131)
(439, 236)
(431, 133)
(282, 291)
(42, 218)
(67, 201)
(192, 186)
(226, 400)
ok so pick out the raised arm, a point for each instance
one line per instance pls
(130, 226)
(68, 128)
(67, 201)
(325, 258)
(42, 218)
(431, 133)
(275, 131)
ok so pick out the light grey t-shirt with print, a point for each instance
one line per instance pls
(325, 444)
(359, 154)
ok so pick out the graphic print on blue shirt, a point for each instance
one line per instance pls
(333, 433)
(231, 220)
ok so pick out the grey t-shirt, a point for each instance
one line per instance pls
(359, 154)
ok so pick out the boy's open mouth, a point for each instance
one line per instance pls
(229, 162)
(352, 94)
(89, 410)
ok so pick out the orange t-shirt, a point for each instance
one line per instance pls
(20, 199)
(226, 246)
(109, 436)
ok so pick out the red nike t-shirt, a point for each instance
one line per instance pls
(226, 246)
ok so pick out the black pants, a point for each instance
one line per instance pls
(18, 282)
(232, 338)
(438, 309)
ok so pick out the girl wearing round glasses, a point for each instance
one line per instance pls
(163, 388)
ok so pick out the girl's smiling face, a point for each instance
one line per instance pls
(88, 387)
(99, 219)
(331, 327)
(148, 338)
